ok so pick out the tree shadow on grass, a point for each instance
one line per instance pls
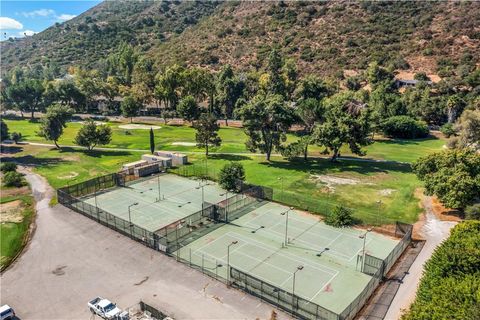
(10, 149)
(95, 153)
(31, 161)
(325, 166)
(229, 157)
(405, 142)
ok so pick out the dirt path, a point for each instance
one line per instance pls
(434, 232)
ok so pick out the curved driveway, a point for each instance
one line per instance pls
(71, 259)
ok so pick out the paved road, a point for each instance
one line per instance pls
(71, 259)
(434, 232)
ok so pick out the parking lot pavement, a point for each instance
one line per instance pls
(72, 259)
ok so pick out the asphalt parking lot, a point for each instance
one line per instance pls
(71, 259)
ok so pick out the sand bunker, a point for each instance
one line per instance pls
(134, 126)
(11, 212)
(72, 174)
(331, 181)
(185, 144)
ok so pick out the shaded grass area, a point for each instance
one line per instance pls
(13, 235)
(233, 141)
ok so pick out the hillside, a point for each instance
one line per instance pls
(323, 37)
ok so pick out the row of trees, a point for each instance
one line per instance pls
(126, 75)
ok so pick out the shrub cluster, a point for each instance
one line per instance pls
(404, 127)
(450, 285)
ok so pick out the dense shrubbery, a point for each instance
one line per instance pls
(450, 285)
(340, 217)
(13, 179)
(231, 175)
(8, 166)
(451, 175)
(404, 127)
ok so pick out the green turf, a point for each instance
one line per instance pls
(233, 141)
(70, 166)
(12, 235)
(330, 276)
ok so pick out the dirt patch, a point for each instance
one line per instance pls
(72, 175)
(442, 213)
(15, 191)
(11, 211)
(386, 192)
(134, 126)
(185, 144)
(331, 181)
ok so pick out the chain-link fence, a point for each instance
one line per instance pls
(178, 234)
(378, 269)
(285, 300)
(107, 219)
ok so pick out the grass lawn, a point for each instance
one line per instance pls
(361, 185)
(233, 141)
(376, 192)
(13, 234)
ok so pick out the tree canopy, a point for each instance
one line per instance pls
(52, 125)
(91, 135)
(452, 175)
(207, 132)
(266, 119)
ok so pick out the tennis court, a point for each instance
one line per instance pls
(324, 259)
(179, 197)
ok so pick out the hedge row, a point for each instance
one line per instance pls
(450, 286)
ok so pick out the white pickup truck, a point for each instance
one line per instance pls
(106, 309)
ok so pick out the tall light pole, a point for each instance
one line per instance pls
(293, 287)
(286, 224)
(228, 261)
(364, 237)
(203, 197)
(159, 193)
(130, 216)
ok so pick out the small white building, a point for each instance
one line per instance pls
(178, 159)
(163, 162)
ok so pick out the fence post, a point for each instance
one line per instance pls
(203, 263)
(190, 255)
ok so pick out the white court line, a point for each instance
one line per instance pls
(356, 254)
(290, 257)
(249, 256)
(273, 266)
(309, 244)
(321, 289)
(209, 243)
(259, 216)
(340, 254)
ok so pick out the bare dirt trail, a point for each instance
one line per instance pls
(434, 231)
(71, 259)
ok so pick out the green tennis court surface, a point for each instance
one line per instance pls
(330, 276)
(180, 197)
